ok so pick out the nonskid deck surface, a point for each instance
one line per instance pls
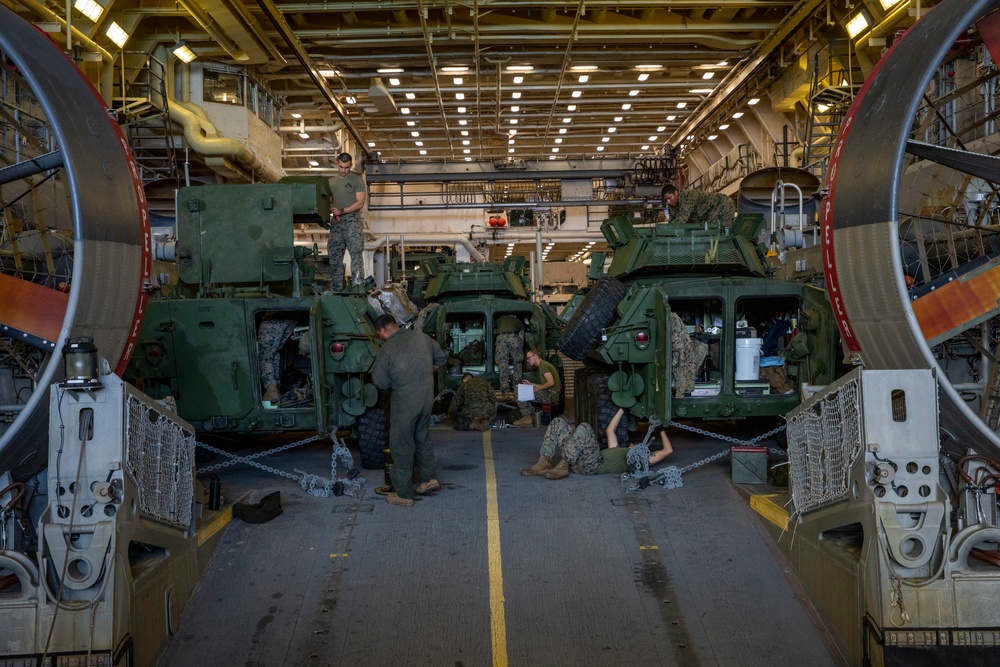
(497, 568)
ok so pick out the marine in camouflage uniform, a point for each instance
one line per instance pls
(473, 402)
(347, 190)
(508, 351)
(688, 354)
(579, 446)
(711, 208)
(272, 333)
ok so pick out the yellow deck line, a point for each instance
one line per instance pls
(767, 505)
(206, 532)
(498, 622)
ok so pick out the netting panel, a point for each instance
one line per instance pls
(823, 443)
(160, 458)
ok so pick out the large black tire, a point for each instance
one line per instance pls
(597, 310)
(593, 404)
(373, 436)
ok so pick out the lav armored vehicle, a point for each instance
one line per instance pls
(237, 266)
(718, 282)
(465, 301)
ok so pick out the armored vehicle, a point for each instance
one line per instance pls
(676, 327)
(465, 303)
(244, 288)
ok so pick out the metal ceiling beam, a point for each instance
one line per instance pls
(488, 171)
(278, 21)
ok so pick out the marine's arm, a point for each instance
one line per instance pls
(611, 430)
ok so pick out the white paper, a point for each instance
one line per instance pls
(525, 392)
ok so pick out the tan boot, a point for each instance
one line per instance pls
(526, 420)
(271, 395)
(539, 468)
(560, 471)
(479, 425)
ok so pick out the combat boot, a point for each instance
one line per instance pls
(560, 471)
(479, 425)
(539, 468)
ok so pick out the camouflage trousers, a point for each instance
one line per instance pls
(579, 447)
(271, 335)
(549, 395)
(688, 356)
(346, 234)
(509, 353)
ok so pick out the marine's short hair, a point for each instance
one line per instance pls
(345, 157)
(667, 189)
(385, 321)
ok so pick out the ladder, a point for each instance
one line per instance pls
(834, 83)
(143, 104)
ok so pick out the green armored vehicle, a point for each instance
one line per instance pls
(687, 323)
(465, 304)
(247, 307)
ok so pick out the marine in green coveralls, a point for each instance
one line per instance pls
(406, 364)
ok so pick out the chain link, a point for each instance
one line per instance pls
(311, 484)
(671, 477)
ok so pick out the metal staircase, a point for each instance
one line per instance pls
(142, 100)
(835, 81)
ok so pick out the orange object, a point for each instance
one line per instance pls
(501, 222)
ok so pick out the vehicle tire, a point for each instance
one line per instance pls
(606, 410)
(597, 310)
(373, 436)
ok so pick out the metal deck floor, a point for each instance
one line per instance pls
(573, 572)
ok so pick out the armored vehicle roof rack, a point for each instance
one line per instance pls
(464, 279)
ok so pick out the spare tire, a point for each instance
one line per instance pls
(597, 310)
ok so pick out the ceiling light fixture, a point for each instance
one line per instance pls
(562, 130)
(558, 140)
(463, 122)
(648, 67)
(738, 115)
(652, 138)
(391, 70)
(455, 69)
(458, 80)
(350, 99)
(571, 107)
(555, 150)
(567, 120)
(404, 110)
(183, 52)
(89, 8)
(670, 118)
(713, 137)
(313, 163)
(724, 126)
(515, 108)
(518, 79)
(465, 133)
(296, 115)
(516, 95)
(116, 34)
(583, 78)
(612, 130)
(626, 106)
(465, 142)
(605, 139)
(411, 96)
(681, 105)
(643, 76)
(411, 123)
(520, 68)
(586, 68)
(371, 144)
(576, 93)
(513, 121)
(707, 75)
(619, 119)
(461, 109)
(418, 143)
(393, 81)
(753, 101)
(414, 133)
(633, 93)
(857, 25)
(304, 135)
(459, 96)
(645, 148)
(423, 152)
(700, 91)
(662, 128)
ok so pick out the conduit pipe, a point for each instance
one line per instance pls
(204, 139)
(431, 239)
(213, 29)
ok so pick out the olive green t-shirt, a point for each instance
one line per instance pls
(614, 460)
(543, 368)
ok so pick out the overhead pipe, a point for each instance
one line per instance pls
(203, 138)
(213, 29)
(434, 239)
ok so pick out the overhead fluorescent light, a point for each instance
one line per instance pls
(304, 135)
(567, 120)
(626, 106)
(612, 130)
(393, 81)
(515, 109)
(404, 110)
(520, 68)
(555, 150)
(633, 93)
(724, 126)
(558, 140)
(328, 73)
(645, 148)
(455, 69)
(605, 139)
(652, 138)
(643, 76)
(423, 152)
(670, 118)
(183, 52)
(411, 96)
(89, 8)
(584, 68)
(713, 137)
(371, 144)
(738, 115)
(648, 67)
(518, 79)
(576, 93)
(708, 75)
(411, 123)
(458, 80)
(700, 91)
(562, 130)
(753, 101)
(116, 34)
(681, 105)
(619, 119)
(461, 109)
(419, 143)
(662, 128)
(296, 114)
(571, 107)
(857, 25)
(313, 163)
(414, 133)
(516, 95)
(887, 4)
(459, 96)
(391, 70)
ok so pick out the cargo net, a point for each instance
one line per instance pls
(160, 458)
(823, 443)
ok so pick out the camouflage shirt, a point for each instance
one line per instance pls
(703, 207)
(475, 399)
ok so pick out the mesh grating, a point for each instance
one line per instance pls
(824, 440)
(160, 458)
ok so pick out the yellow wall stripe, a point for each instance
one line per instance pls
(498, 622)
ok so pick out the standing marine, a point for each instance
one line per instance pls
(348, 196)
(508, 349)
